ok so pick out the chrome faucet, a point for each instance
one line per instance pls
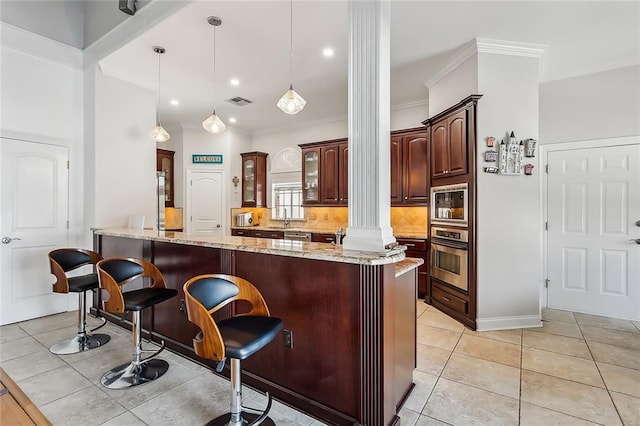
(286, 221)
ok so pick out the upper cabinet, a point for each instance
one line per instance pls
(450, 133)
(254, 179)
(409, 167)
(164, 163)
(449, 146)
(324, 172)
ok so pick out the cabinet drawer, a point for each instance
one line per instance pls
(413, 244)
(448, 299)
(239, 233)
(276, 235)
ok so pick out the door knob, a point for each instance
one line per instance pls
(636, 240)
(638, 223)
(218, 226)
(7, 240)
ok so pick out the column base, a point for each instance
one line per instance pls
(368, 239)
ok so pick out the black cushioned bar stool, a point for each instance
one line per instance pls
(236, 338)
(113, 274)
(62, 261)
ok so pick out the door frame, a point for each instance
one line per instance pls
(187, 206)
(544, 207)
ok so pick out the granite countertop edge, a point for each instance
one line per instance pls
(308, 250)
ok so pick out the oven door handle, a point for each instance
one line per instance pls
(437, 242)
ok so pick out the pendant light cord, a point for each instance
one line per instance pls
(158, 98)
(291, 44)
(214, 68)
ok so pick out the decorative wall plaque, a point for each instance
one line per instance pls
(511, 156)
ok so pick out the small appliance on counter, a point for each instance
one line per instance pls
(244, 219)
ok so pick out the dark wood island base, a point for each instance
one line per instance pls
(353, 323)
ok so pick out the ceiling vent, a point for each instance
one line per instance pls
(238, 101)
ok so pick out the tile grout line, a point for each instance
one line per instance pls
(606, 387)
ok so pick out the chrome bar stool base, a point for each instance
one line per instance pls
(80, 344)
(127, 375)
(247, 419)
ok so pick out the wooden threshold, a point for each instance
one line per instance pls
(15, 407)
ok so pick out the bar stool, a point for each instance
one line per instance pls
(113, 274)
(62, 261)
(236, 338)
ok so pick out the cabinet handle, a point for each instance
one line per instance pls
(329, 239)
(406, 198)
(446, 299)
(410, 245)
(257, 234)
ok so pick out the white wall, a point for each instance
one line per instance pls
(124, 154)
(455, 86)
(508, 207)
(42, 101)
(594, 106)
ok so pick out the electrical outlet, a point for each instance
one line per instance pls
(287, 338)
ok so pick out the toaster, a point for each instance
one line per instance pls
(244, 219)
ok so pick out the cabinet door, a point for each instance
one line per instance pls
(415, 182)
(439, 150)
(343, 189)
(329, 176)
(248, 182)
(457, 129)
(310, 175)
(396, 169)
(164, 163)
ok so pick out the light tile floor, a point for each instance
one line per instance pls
(575, 370)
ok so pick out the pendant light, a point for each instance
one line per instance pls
(291, 102)
(158, 133)
(213, 124)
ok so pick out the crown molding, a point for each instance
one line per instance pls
(512, 48)
(486, 45)
(412, 104)
(33, 44)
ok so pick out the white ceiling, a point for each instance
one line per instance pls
(253, 46)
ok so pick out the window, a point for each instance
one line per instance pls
(287, 196)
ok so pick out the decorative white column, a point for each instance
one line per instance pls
(369, 129)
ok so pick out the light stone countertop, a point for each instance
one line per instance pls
(407, 264)
(399, 234)
(308, 250)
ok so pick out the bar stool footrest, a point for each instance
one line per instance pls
(247, 418)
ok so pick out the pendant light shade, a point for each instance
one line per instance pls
(213, 124)
(291, 102)
(158, 133)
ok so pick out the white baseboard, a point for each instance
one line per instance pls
(507, 323)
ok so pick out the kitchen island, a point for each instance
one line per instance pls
(351, 314)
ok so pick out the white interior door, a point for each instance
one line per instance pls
(206, 202)
(33, 221)
(593, 206)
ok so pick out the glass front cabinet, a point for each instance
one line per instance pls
(254, 179)
(310, 175)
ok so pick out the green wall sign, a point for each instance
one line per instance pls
(206, 158)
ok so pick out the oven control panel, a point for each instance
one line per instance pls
(453, 234)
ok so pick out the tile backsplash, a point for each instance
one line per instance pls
(403, 219)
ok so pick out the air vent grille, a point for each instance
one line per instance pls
(239, 101)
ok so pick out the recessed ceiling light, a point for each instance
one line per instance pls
(174, 102)
(327, 52)
(232, 120)
(234, 82)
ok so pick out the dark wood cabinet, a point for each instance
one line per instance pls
(418, 248)
(324, 238)
(449, 146)
(254, 179)
(164, 163)
(409, 167)
(239, 232)
(324, 172)
(453, 161)
(257, 233)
